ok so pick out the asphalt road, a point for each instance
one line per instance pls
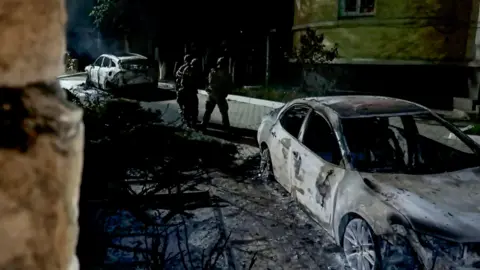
(243, 116)
(262, 218)
(263, 221)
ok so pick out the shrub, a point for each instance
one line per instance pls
(271, 94)
(312, 49)
(125, 142)
(311, 53)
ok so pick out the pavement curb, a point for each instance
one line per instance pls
(274, 104)
(71, 75)
(253, 101)
(262, 102)
(236, 98)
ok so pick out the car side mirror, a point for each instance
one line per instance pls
(87, 68)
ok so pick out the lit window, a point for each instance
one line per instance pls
(357, 7)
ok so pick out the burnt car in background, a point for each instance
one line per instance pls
(116, 71)
(383, 176)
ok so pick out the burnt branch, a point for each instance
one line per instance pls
(138, 166)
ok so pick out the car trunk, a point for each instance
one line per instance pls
(137, 71)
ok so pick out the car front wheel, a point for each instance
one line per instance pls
(360, 246)
(88, 82)
(153, 86)
(101, 85)
(365, 250)
(266, 169)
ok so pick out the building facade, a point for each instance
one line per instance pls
(408, 48)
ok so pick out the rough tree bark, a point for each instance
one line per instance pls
(41, 140)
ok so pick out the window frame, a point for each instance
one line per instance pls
(343, 13)
(106, 58)
(99, 59)
(286, 110)
(342, 163)
(412, 125)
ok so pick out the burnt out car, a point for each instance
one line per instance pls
(383, 176)
(115, 71)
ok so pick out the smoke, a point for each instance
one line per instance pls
(84, 42)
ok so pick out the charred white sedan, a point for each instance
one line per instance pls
(113, 71)
(382, 176)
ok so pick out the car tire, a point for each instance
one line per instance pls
(361, 245)
(153, 86)
(88, 82)
(108, 86)
(266, 168)
(398, 256)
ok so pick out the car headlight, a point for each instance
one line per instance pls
(443, 248)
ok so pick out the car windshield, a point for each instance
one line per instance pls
(410, 144)
(135, 64)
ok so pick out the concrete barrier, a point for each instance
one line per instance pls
(253, 101)
(449, 115)
(78, 74)
(236, 98)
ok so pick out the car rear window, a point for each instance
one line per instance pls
(136, 64)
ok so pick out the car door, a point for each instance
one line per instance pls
(95, 70)
(103, 72)
(317, 167)
(283, 133)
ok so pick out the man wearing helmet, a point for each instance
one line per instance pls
(178, 78)
(219, 86)
(191, 81)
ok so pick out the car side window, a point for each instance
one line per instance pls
(293, 118)
(106, 62)
(321, 139)
(98, 62)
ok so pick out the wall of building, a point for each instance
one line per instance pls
(429, 30)
(430, 85)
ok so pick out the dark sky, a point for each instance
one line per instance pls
(248, 14)
(195, 20)
(78, 13)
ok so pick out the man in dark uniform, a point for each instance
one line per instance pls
(192, 80)
(178, 79)
(219, 86)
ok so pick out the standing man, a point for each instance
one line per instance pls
(192, 80)
(178, 81)
(219, 86)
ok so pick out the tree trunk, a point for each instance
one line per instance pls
(41, 141)
(163, 70)
(126, 44)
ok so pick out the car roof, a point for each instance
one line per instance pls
(125, 56)
(355, 106)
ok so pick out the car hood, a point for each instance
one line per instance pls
(446, 205)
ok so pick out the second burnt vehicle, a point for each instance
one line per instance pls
(121, 70)
(383, 176)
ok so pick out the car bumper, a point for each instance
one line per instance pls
(142, 80)
(122, 83)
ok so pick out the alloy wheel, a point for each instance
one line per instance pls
(266, 172)
(359, 245)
